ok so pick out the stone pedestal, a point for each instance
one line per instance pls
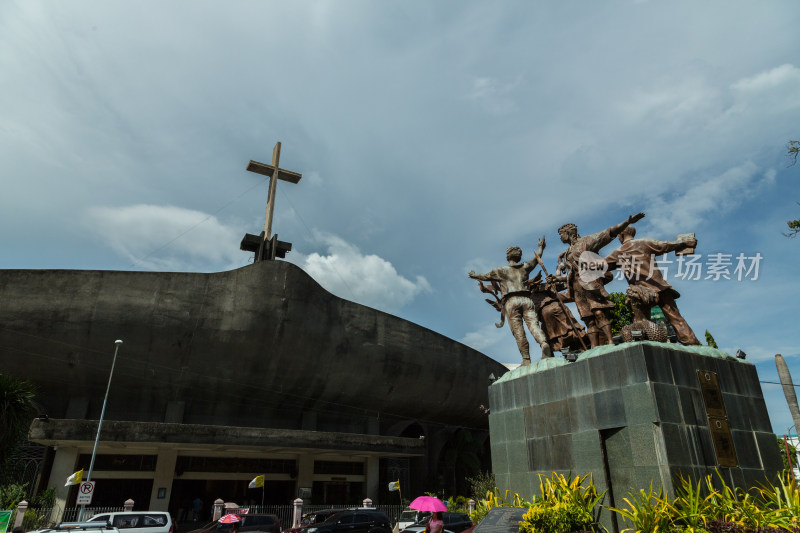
(631, 415)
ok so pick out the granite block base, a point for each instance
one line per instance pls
(632, 415)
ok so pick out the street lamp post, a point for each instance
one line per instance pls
(100, 423)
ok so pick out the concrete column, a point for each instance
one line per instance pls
(298, 512)
(21, 508)
(162, 478)
(373, 476)
(471, 506)
(64, 463)
(128, 505)
(305, 471)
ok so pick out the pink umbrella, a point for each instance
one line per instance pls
(428, 503)
(229, 519)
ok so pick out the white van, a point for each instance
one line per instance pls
(141, 521)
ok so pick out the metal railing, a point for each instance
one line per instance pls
(71, 513)
(42, 517)
(35, 518)
(286, 512)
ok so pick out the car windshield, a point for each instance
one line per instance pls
(333, 518)
(423, 517)
(316, 518)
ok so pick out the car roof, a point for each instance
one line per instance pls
(324, 512)
(354, 510)
(130, 512)
(72, 526)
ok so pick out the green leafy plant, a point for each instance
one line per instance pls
(565, 504)
(17, 409)
(737, 506)
(480, 484)
(11, 495)
(647, 511)
(710, 340)
(457, 504)
(45, 498)
(34, 519)
(621, 314)
(493, 499)
(783, 502)
(694, 504)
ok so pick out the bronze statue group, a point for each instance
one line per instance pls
(580, 277)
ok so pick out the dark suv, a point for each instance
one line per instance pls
(263, 523)
(355, 521)
(314, 517)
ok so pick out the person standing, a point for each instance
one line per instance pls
(197, 506)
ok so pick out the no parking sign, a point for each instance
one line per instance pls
(85, 493)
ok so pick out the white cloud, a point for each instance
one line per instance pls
(158, 237)
(758, 353)
(486, 337)
(494, 95)
(715, 195)
(784, 74)
(313, 177)
(687, 101)
(366, 279)
(770, 95)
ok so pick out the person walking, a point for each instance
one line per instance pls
(435, 524)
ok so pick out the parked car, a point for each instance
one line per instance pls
(354, 521)
(453, 523)
(314, 517)
(409, 517)
(142, 521)
(257, 523)
(78, 527)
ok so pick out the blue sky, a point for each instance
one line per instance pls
(430, 135)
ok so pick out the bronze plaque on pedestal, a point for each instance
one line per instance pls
(717, 418)
(723, 441)
(712, 396)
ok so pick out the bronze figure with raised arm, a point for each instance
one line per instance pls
(588, 291)
(516, 302)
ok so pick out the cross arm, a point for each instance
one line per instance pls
(269, 170)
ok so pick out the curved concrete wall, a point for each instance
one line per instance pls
(261, 346)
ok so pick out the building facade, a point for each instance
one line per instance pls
(230, 375)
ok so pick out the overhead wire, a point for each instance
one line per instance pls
(229, 202)
(318, 243)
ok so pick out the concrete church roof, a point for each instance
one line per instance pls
(260, 346)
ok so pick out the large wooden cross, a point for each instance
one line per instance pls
(267, 245)
(273, 171)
